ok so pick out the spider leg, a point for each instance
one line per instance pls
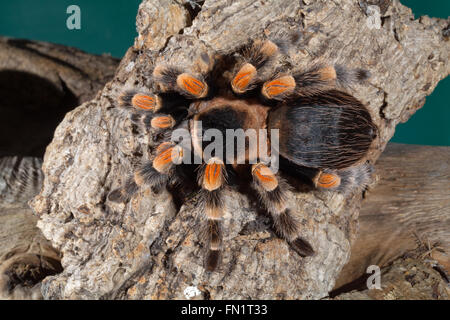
(140, 100)
(212, 179)
(273, 191)
(255, 57)
(314, 80)
(154, 173)
(145, 109)
(346, 181)
(317, 79)
(172, 79)
(158, 122)
(279, 88)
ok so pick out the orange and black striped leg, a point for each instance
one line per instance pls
(140, 101)
(158, 172)
(154, 173)
(273, 192)
(160, 123)
(212, 179)
(279, 88)
(327, 180)
(312, 81)
(315, 80)
(255, 57)
(346, 181)
(188, 85)
(322, 77)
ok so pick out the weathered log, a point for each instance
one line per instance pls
(149, 247)
(39, 83)
(412, 277)
(409, 207)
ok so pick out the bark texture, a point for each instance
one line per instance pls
(150, 247)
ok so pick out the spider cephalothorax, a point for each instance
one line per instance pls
(321, 131)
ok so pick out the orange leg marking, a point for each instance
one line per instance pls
(162, 122)
(163, 146)
(328, 180)
(145, 102)
(265, 176)
(191, 85)
(213, 177)
(243, 78)
(278, 87)
(166, 158)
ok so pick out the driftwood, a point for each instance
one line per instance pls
(412, 277)
(39, 83)
(409, 207)
(149, 247)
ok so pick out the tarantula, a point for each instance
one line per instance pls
(322, 132)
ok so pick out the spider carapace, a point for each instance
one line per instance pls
(324, 132)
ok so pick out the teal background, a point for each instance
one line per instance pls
(108, 26)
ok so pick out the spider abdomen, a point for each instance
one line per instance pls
(330, 130)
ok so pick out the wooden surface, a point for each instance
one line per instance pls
(409, 207)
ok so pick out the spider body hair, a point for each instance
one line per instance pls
(328, 130)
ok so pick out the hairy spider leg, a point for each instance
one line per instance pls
(188, 85)
(212, 179)
(140, 101)
(315, 80)
(273, 193)
(255, 57)
(346, 181)
(154, 173)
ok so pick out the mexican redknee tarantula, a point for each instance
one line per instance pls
(320, 131)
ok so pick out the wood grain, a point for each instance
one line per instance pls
(408, 207)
